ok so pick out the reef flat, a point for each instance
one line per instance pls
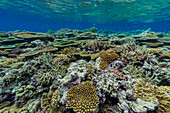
(84, 71)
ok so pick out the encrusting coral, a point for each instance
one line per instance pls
(82, 98)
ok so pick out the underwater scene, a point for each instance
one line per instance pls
(84, 56)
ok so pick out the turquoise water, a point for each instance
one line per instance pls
(41, 15)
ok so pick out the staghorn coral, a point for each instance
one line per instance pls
(91, 71)
(150, 92)
(23, 94)
(61, 58)
(49, 102)
(107, 57)
(82, 98)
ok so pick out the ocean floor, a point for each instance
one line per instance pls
(84, 71)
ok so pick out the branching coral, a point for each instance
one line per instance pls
(82, 98)
(134, 54)
(138, 72)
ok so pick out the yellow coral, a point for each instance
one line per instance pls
(149, 92)
(69, 51)
(107, 57)
(82, 98)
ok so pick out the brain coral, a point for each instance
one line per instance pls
(82, 98)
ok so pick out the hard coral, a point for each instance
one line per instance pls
(107, 57)
(82, 98)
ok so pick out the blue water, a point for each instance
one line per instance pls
(20, 15)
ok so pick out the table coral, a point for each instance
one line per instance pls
(82, 98)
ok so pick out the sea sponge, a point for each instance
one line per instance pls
(82, 98)
(107, 57)
(150, 92)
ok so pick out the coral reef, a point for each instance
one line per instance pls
(84, 71)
